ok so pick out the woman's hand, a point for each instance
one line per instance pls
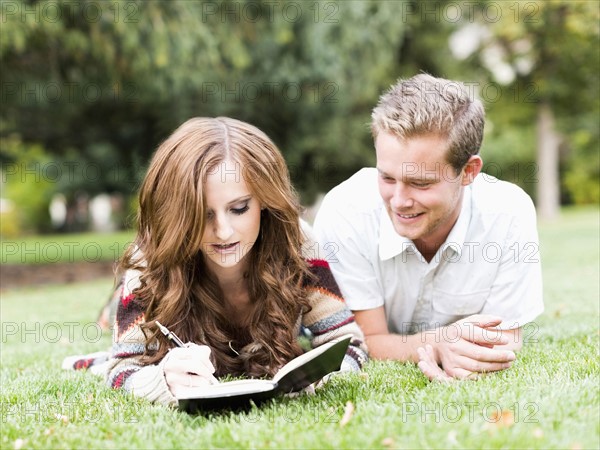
(188, 367)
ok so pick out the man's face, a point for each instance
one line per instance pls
(421, 190)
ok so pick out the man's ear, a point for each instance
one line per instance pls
(472, 169)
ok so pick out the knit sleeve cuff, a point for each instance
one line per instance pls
(149, 382)
(349, 364)
(354, 359)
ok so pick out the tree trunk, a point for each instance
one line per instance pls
(548, 187)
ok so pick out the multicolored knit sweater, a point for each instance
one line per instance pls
(328, 318)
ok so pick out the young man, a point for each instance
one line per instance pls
(439, 262)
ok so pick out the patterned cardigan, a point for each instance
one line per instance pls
(328, 318)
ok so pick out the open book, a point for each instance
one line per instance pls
(294, 376)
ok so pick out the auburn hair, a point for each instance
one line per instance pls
(179, 290)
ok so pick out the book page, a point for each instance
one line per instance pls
(228, 388)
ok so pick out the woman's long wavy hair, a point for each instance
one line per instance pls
(178, 289)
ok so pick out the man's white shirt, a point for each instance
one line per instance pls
(489, 264)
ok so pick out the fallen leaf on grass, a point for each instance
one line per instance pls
(62, 418)
(504, 419)
(388, 442)
(348, 411)
(452, 437)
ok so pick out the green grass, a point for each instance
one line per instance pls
(549, 399)
(77, 247)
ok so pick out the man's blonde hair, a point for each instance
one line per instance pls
(424, 105)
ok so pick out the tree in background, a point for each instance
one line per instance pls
(545, 56)
(95, 86)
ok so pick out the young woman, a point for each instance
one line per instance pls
(218, 260)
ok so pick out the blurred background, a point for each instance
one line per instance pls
(90, 88)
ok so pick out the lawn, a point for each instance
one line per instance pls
(548, 399)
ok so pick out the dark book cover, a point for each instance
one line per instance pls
(299, 373)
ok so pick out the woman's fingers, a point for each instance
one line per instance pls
(188, 366)
(188, 379)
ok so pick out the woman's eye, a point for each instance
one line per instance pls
(241, 210)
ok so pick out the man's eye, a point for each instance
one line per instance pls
(240, 211)
(421, 185)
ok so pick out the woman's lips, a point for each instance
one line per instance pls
(225, 248)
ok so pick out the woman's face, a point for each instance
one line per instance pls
(232, 219)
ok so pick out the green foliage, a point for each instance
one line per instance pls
(394, 405)
(27, 184)
(306, 73)
(508, 149)
(98, 85)
(582, 173)
(552, 47)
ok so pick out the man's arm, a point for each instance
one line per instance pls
(381, 343)
(471, 345)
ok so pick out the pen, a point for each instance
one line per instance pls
(175, 340)
(170, 335)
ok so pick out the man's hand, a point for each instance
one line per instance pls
(429, 366)
(465, 349)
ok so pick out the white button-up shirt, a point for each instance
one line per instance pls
(489, 264)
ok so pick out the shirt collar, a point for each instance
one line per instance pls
(458, 234)
(391, 244)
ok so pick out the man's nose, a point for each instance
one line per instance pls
(402, 197)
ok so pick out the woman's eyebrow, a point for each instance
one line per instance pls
(240, 199)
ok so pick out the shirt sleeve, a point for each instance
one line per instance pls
(516, 293)
(344, 238)
(125, 370)
(329, 316)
